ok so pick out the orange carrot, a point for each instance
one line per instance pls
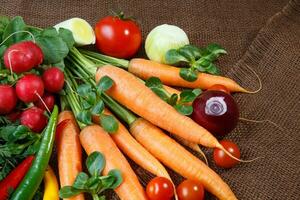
(68, 151)
(132, 93)
(192, 146)
(180, 160)
(169, 75)
(94, 138)
(136, 152)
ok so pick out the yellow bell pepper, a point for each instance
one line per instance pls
(51, 185)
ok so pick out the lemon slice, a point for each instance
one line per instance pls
(82, 31)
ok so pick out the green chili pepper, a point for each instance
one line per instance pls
(34, 176)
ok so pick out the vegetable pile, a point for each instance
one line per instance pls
(111, 108)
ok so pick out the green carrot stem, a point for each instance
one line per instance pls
(114, 61)
(123, 113)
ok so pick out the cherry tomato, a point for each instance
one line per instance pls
(223, 160)
(219, 87)
(160, 188)
(118, 37)
(190, 190)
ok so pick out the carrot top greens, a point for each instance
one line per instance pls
(179, 102)
(93, 182)
(194, 59)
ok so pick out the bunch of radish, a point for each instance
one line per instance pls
(36, 92)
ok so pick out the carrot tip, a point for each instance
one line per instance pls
(219, 146)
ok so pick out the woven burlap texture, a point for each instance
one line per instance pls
(262, 35)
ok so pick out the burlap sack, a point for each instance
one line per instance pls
(262, 35)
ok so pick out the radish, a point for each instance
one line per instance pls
(8, 99)
(34, 119)
(29, 88)
(53, 79)
(23, 56)
(14, 116)
(48, 99)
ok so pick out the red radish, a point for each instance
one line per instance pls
(48, 99)
(216, 111)
(29, 88)
(54, 79)
(8, 99)
(23, 56)
(223, 160)
(14, 116)
(34, 119)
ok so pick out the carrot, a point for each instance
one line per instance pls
(179, 159)
(132, 93)
(136, 152)
(68, 150)
(94, 138)
(195, 147)
(169, 75)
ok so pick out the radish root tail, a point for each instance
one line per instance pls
(33, 38)
(9, 62)
(259, 81)
(262, 121)
(219, 146)
(43, 102)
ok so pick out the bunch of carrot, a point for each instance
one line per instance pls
(145, 143)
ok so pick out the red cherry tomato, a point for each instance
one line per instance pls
(223, 160)
(118, 37)
(160, 188)
(219, 87)
(190, 190)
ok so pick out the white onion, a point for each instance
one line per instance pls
(163, 38)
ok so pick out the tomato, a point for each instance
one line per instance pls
(223, 160)
(190, 190)
(160, 188)
(219, 87)
(118, 37)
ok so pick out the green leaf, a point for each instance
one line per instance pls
(60, 65)
(108, 181)
(16, 24)
(216, 49)
(104, 84)
(173, 99)
(67, 37)
(156, 86)
(86, 105)
(184, 109)
(188, 74)
(162, 93)
(190, 52)
(98, 108)
(153, 82)
(54, 48)
(4, 21)
(118, 178)
(84, 89)
(93, 183)
(85, 117)
(95, 163)
(109, 123)
(212, 69)
(173, 57)
(197, 91)
(68, 191)
(80, 181)
(49, 32)
(187, 96)
(90, 98)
